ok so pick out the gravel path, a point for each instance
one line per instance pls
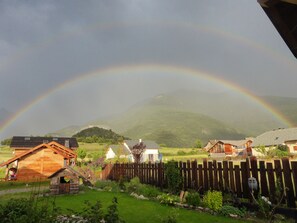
(21, 190)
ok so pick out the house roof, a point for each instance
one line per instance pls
(116, 149)
(68, 169)
(148, 143)
(56, 147)
(32, 141)
(275, 137)
(283, 15)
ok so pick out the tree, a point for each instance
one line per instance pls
(6, 142)
(137, 151)
(81, 153)
(198, 144)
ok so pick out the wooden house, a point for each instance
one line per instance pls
(228, 148)
(39, 162)
(20, 144)
(65, 181)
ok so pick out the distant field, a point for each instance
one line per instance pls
(182, 154)
(93, 148)
(5, 153)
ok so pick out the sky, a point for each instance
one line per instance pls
(69, 62)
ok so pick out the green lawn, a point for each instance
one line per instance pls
(135, 211)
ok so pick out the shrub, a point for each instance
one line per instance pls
(31, 209)
(173, 177)
(112, 215)
(181, 153)
(213, 200)
(228, 209)
(168, 199)
(133, 186)
(193, 199)
(149, 191)
(108, 185)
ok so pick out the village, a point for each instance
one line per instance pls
(261, 165)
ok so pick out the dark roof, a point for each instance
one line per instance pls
(275, 137)
(283, 15)
(32, 141)
(149, 144)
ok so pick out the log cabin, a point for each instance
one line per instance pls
(20, 144)
(65, 181)
(38, 163)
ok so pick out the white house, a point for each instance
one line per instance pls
(119, 151)
(273, 138)
(151, 153)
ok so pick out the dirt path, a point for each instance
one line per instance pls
(21, 190)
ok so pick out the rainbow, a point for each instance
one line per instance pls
(179, 70)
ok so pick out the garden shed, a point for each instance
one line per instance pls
(65, 181)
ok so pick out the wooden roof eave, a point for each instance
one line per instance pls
(23, 154)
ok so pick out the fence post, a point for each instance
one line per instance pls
(237, 180)
(215, 175)
(205, 175)
(210, 175)
(289, 184)
(294, 171)
(244, 178)
(264, 186)
(226, 176)
(271, 182)
(194, 175)
(232, 183)
(254, 169)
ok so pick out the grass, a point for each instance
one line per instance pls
(5, 153)
(16, 185)
(182, 154)
(130, 209)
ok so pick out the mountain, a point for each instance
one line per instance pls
(286, 105)
(180, 118)
(98, 135)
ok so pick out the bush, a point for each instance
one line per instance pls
(31, 209)
(168, 199)
(112, 215)
(108, 185)
(228, 209)
(213, 200)
(133, 186)
(193, 199)
(181, 153)
(173, 177)
(149, 191)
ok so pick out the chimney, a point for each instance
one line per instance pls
(67, 143)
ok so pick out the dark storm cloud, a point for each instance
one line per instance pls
(46, 43)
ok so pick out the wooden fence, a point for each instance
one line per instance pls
(224, 176)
